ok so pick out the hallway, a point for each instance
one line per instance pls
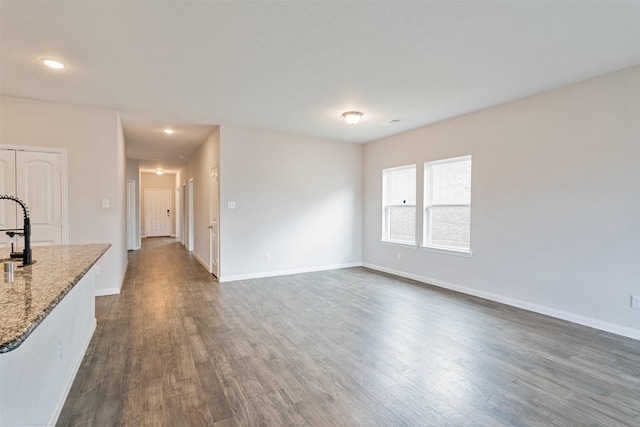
(346, 348)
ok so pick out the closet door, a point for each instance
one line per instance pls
(39, 185)
(8, 187)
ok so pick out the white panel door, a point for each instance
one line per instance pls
(7, 187)
(39, 185)
(158, 212)
(35, 178)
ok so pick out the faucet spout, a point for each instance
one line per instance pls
(26, 230)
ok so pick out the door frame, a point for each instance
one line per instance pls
(190, 245)
(183, 207)
(131, 209)
(64, 184)
(212, 208)
(176, 211)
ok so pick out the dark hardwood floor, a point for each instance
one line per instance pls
(348, 347)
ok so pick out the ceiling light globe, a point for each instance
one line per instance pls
(159, 171)
(352, 117)
(52, 63)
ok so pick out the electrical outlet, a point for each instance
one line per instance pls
(399, 255)
(267, 257)
(635, 301)
(97, 270)
(59, 351)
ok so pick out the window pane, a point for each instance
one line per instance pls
(402, 224)
(401, 186)
(450, 226)
(451, 183)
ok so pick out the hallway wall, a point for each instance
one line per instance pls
(198, 168)
(298, 203)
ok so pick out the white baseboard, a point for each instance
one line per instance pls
(64, 392)
(287, 272)
(107, 291)
(547, 311)
(201, 261)
(114, 291)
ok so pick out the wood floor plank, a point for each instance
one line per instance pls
(107, 413)
(213, 392)
(350, 347)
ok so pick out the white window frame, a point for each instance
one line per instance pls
(428, 204)
(386, 234)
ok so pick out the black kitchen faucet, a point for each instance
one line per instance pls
(25, 231)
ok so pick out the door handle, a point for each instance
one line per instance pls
(211, 227)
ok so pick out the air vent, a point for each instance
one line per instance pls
(391, 122)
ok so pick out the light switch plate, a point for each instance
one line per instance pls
(231, 205)
(105, 203)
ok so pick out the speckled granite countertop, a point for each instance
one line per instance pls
(38, 288)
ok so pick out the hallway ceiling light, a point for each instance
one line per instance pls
(352, 117)
(159, 171)
(52, 63)
(168, 131)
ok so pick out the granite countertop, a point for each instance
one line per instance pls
(38, 288)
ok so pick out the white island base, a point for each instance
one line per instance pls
(36, 377)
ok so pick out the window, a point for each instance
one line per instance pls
(447, 214)
(399, 204)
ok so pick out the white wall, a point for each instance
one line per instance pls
(297, 198)
(198, 168)
(555, 202)
(96, 169)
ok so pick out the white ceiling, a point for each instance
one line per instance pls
(296, 66)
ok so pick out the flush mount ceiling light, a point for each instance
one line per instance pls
(52, 63)
(159, 171)
(352, 117)
(168, 131)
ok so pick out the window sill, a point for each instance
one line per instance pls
(447, 251)
(399, 244)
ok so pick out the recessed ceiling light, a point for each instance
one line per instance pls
(168, 131)
(52, 63)
(159, 171)
(352, 117)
